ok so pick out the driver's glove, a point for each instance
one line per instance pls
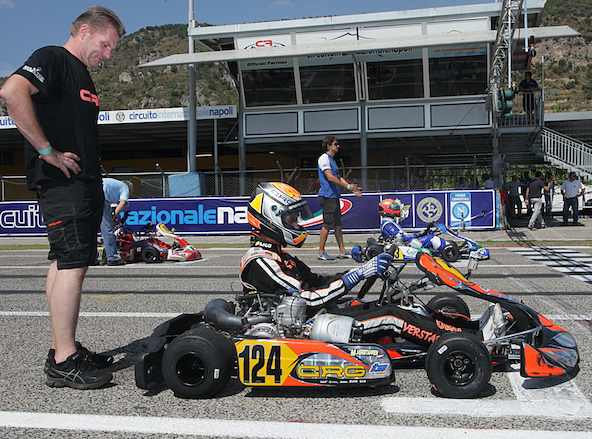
(377, 265)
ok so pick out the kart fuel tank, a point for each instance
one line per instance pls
(334, 328)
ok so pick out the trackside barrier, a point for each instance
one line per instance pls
(228, 215)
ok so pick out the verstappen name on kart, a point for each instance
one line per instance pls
(418, 333)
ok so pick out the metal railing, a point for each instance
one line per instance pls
(527, 111)
(565, 152)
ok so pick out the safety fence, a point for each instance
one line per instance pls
(235, 183)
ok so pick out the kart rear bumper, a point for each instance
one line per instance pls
(148, 367)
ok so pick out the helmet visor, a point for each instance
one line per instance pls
(295, 214)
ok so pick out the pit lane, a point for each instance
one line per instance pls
(122, 305)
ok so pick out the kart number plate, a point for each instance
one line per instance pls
(264, 363)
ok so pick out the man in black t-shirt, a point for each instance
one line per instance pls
(534, 197)
(53, 102)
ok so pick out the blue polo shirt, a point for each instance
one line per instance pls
(328, 189)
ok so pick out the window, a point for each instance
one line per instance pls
(395, 79)
(457, 71)
(269, 87)
(327, 83)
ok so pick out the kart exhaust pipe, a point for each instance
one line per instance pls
(218, 313)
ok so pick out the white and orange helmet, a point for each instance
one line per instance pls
(272, 210)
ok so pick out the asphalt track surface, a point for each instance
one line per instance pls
(122, 305)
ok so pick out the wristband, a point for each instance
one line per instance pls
(44, 151)
(348, 187)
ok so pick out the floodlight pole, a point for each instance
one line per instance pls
(192, 125)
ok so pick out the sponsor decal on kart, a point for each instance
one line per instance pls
(286, 362)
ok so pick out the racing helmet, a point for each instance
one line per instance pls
(389, 207)
(275, 210)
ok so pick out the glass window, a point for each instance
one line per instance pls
(327, 83)
(395, 79)
(269, 87)
(458, 75)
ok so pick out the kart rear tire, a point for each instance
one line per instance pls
(372, 251)
(150, 254)
(450, 252)
(458, 365)
(449, 304)
(198, 363)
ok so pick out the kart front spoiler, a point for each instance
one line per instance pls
(148, 367)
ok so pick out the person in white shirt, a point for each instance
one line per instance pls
(571, 189)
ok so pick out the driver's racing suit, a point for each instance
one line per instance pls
(266, 267)
(389, 229)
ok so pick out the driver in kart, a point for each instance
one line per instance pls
(274, 211)
(391, 212)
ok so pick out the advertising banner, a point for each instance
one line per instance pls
(220, 216)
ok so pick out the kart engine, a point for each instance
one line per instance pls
(289, 320)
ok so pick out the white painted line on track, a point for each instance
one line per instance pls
(551, 397)
(535, 397)
(255, 429)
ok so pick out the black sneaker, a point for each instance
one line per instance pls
(99, 361)
(115, 262)
(77, 373)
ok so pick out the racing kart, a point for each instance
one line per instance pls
(450, 251)
(147, 244)
(374, 248)
(270, 340)
(466, 247)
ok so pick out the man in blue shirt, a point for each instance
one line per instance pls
(116, 192)
(329, 193)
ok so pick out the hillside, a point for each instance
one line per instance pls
(567, 65)
(121, 84)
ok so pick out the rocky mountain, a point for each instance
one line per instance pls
(122, 84)
(565, 63)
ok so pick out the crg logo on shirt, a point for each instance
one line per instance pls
(87, 96)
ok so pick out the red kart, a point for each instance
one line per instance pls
(147, 245)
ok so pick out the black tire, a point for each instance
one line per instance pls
(198, 363)
(449, 304)
(150, 254)
(458, 365)
(373, 250)
(450, 252)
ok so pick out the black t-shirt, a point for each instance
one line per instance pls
(535, 188)
(67, 108)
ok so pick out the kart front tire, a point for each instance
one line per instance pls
(198, 363)
(150, 254)
(458, 365)
(449, 304)
(450, 252)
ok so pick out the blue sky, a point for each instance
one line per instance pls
(26, 25)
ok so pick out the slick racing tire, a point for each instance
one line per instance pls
(450, 252)
(458, 365)
(198, 363)
(449, 304)
(150, 254)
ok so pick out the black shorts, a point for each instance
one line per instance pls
(331, 212)
(72, 212)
